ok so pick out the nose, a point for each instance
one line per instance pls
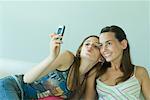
(90, 46)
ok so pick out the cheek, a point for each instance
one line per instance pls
(101, 50)
(113, 48)
(82, 51)
(98, 54)
(117, 49)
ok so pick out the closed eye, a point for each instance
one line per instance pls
(87, 44)
(96, 46)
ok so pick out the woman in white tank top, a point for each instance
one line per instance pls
(117, 78)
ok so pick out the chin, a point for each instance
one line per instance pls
(87, 55)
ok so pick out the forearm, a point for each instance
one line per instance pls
(37, 71)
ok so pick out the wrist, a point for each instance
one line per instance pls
(52, 56)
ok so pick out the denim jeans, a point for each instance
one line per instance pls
(9, 89)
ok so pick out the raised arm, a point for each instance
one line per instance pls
(52, 62)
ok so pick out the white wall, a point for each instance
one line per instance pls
(25, 25)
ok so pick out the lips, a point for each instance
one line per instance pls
(88, 53)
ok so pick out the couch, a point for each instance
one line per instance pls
(11, 67)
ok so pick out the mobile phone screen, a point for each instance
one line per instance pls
(61, 30)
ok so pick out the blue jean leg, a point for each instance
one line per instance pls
(9, 89)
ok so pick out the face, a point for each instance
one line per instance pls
(111, 49)
(90, 49)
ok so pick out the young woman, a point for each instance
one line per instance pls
(118, 78)
(58, 77)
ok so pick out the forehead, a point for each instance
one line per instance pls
(107, 36)
(92, 39)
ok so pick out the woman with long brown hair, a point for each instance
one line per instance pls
(117, 78)
(59, 76)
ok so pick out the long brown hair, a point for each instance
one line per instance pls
(74, 76)
(126, 65)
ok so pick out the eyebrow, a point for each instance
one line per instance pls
(90, 41)
(108, 41)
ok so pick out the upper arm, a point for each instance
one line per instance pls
(145, 82)
(49, 64)
(62, 62)
(90, 92)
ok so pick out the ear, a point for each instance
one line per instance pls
(124, 43)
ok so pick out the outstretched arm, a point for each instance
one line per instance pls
(52, 62)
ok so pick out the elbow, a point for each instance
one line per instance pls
(26, 79)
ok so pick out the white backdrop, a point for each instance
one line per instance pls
(25, 25)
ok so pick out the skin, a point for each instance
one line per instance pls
(90, 55)
(112, 50)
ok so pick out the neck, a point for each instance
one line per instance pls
(115, 64)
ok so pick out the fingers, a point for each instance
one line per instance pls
(56, 38)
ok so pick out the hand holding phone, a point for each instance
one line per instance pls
(61, 30)
(56, 40)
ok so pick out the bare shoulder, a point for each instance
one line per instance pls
(66, 59)
(67, 54)
(141, 72)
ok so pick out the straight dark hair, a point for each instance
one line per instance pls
(126, 65)
(74, 76)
